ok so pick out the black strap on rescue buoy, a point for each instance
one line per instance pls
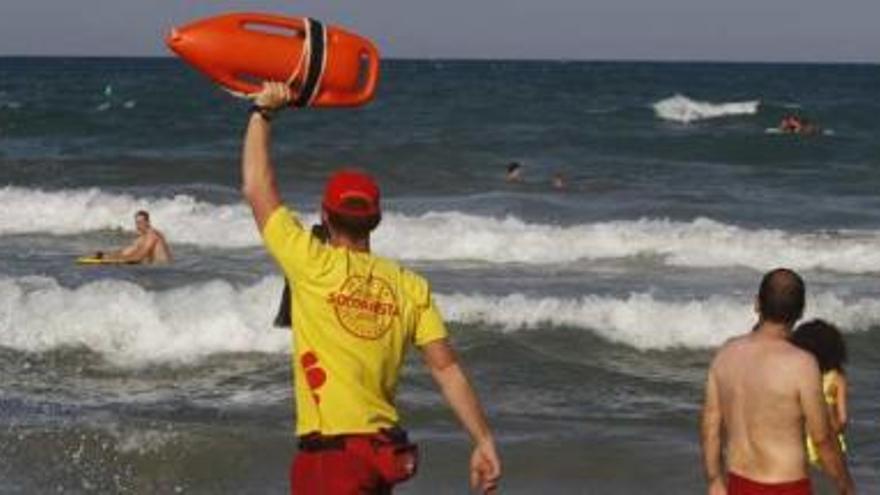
(317, 40)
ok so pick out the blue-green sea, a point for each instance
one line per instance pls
(586, 315)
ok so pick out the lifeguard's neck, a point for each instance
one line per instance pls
(360, 245)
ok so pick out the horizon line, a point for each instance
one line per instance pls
(494, 59)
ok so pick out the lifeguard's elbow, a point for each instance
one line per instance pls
(249, 192)
(259, 189)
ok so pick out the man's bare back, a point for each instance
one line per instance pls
(763, 395)
(759, 381)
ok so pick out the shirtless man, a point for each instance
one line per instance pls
(149, 247)
(761, 394)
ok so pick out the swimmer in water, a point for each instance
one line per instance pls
(514, 172)
(793, 124)
(149, 247)
(790, 124)
(559, 182)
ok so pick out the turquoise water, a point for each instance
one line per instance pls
(586, 316)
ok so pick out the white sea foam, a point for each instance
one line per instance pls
(131, 326)
(141, 441)
(182, 218)
(680, 108)
(440, 236)
(641, 320)
(700, 243)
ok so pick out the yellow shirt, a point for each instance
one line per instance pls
(353, 314)
(831, 400)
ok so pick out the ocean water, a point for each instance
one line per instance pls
(585, 316)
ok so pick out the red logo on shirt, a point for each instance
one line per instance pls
(315, 374)
(365, 306)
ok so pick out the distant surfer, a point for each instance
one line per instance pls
(794, 124)
(514, 172)
(354, 315)
(763, 396)
(150, 246)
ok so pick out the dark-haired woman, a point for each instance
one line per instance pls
(825, 342)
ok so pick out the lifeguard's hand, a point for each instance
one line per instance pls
(273, 96)
(485, 468)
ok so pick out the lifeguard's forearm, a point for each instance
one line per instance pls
(258, 177)
(461, 397)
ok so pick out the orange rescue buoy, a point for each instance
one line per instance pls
(327, 66)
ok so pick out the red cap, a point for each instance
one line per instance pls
(351, 184)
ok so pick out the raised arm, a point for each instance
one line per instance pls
(819, 426)
(485, 465)
(710, 434)
(257, 173)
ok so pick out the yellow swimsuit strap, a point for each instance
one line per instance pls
(828, 385)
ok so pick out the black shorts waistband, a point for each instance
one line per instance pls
(316, 442)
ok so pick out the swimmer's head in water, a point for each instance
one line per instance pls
(351, 204)
(514, 171)
(142, 221)
(781, 297)
(824, 341)
(559, 181)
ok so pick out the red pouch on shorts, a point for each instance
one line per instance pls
(396, 462)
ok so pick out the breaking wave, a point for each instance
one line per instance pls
(680, 108)
(452, 235)
(129, 325)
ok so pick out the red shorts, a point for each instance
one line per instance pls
(351, 465)
(737, 485)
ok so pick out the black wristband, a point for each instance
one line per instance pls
(266, 113)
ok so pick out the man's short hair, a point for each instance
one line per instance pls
(352, 226)
(781, 296)
(142, 213)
